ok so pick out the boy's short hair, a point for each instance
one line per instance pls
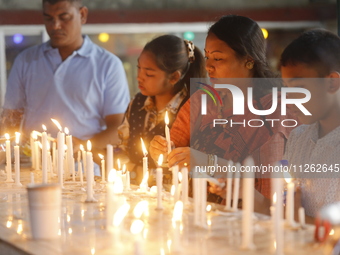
(317, 48)
(77, 2)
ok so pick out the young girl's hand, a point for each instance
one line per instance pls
(158, 145)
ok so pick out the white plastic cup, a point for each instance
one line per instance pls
(44, 202)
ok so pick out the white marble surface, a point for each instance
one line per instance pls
(83, 228)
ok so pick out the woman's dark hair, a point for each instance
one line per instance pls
(317, 48)
(172, 54)
(245, 37)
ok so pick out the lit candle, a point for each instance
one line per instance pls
(70, 159)
(136, 228)
(289, 200)
(8, 159)
(109, 157)
(89, 173)
(185, 186)
(229, 187)
(44, 154)
(61, 144)
(83, 154)
(32, 149)
(17, 160)
(159, 181)
(118, 165)
(80, 170)
(102, 161)
(37, 154)
(302, 220)
(236, 187)
(248, 206)
(167, 131)
(145, 158)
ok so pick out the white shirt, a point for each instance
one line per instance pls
(307, 152)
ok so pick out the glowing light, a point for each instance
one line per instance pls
(169, 244)
(209, 222)
(331, 232)
(173, 190)
(265, 33)
(17, 137)
(287, 177)
(43, 127)
(101, 156)
(137, 227)
(103, 37)
(178, 211)
(70, 231)
(166, 118)
(120, 214)
(7, 136)
(9, 224)
(89, 145)
(93, 251)
(19, 230)
(145, 233)
(188, 35)
(208, 208)
(274, 198)
(57, 124)
(18, 38)
(68, 218)
(118, 164)
(140, 208)
(66, 131)
(145, 152)
(112, 176)
(160, 160)
(81, 147)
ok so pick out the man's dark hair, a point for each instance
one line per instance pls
(317, 48)
(77, 2)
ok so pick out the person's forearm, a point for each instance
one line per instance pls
(108, 136)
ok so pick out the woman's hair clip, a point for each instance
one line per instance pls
(191, 50)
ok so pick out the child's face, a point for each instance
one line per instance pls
(152, 81)
(321, 101)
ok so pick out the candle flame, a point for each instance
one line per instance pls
(166, 118)
(89, 145)
(331, 232)
(17, 137)
(57, 124)
(178, 211)
(180, 176)
(34, 135)
(140, 208)
(7, 136)
(275, 245)
(208, 208)
(118, 164)
(173, 189)
(101, 156)
(274, 198)
(124, 169)
(66, 131)
(112, 176)
(81, 147)
(160, 160)
(145, 152)
(120, 214)
(287, 177)
(44, 127)
(137, 227)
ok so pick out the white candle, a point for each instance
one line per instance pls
(61, 151)
(32, 149)
(277, 187)
(302, 220)
(69, 145)
(17, 160)
(248, 207)
(44, 155)
(236, 187)
(32, 177)
(54, 157)
(128, 180)
(8, 159)
(109, 157)
(167, 131)
(145, 158)
(89, 173)
(185, 186)
(37, 155)
(176, 220)
(229, 187)
(49, 164)
(159, 181)
(289, 200)
(80, 170)
(83, 153)
(175, 180)
(102, 161)
(203, 202)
